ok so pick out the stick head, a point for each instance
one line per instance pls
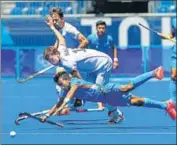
(21, 114)
(17, 122)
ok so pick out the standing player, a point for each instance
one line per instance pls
(103, 42)
(96, 64)
(111, 94)
(173, 62)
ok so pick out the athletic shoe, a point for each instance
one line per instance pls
(171, 109)
(115, 120)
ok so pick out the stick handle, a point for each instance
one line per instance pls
(34, 75)
(158, 33)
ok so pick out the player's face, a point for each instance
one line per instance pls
(63, 83)
(101, 29)
(58, 21)
(54, 59)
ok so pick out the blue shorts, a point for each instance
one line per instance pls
(173, 58)
(115, 97)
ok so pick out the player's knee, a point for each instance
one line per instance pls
(126, 88)
(136, 102)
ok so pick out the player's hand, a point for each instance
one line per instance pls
(49, 21)
(43, 118)
(65, 111)
(163, 36)
(115, 64)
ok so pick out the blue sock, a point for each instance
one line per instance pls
(139, 80)
(154, 104)
(173, 91)
(115, 111)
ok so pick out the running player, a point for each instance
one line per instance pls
(111, 94)
(93, 65)
(173, 62)
(103, 42)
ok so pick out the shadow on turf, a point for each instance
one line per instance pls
(115, 127)
(96, 124)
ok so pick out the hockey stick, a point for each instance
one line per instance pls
(38, 119)
(21, 118)
(34, 75)
(159, 34)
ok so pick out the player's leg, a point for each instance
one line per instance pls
(173, 85)
(139, 80)
(173, 82)
(116, 115)
(101, 79)
(91, 77)
(149, 103)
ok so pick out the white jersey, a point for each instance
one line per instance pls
(84, 60)
(70, 33)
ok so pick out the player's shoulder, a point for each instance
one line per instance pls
(174, 21)
(109, 37)
(59, 89)
(75, 81)
(92, 36)
(69, 26)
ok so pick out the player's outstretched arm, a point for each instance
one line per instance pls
(56, 45)
(169, 36)
(115, 60)
(68, 97)
(52, 110)
(60, 38)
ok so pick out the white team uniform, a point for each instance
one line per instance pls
(91, 64)
(70, 33)
(94, 66)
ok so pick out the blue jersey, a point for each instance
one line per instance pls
(92, 93)
(174, 26)
(174, 55)
(104, 43)
(110, 93)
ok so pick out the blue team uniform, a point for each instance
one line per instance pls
(103, 43)
(173, 57)
(109, 94)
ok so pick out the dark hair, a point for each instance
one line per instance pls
(62, 75)
(56, 10)
(49, 51)
(100, 22)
